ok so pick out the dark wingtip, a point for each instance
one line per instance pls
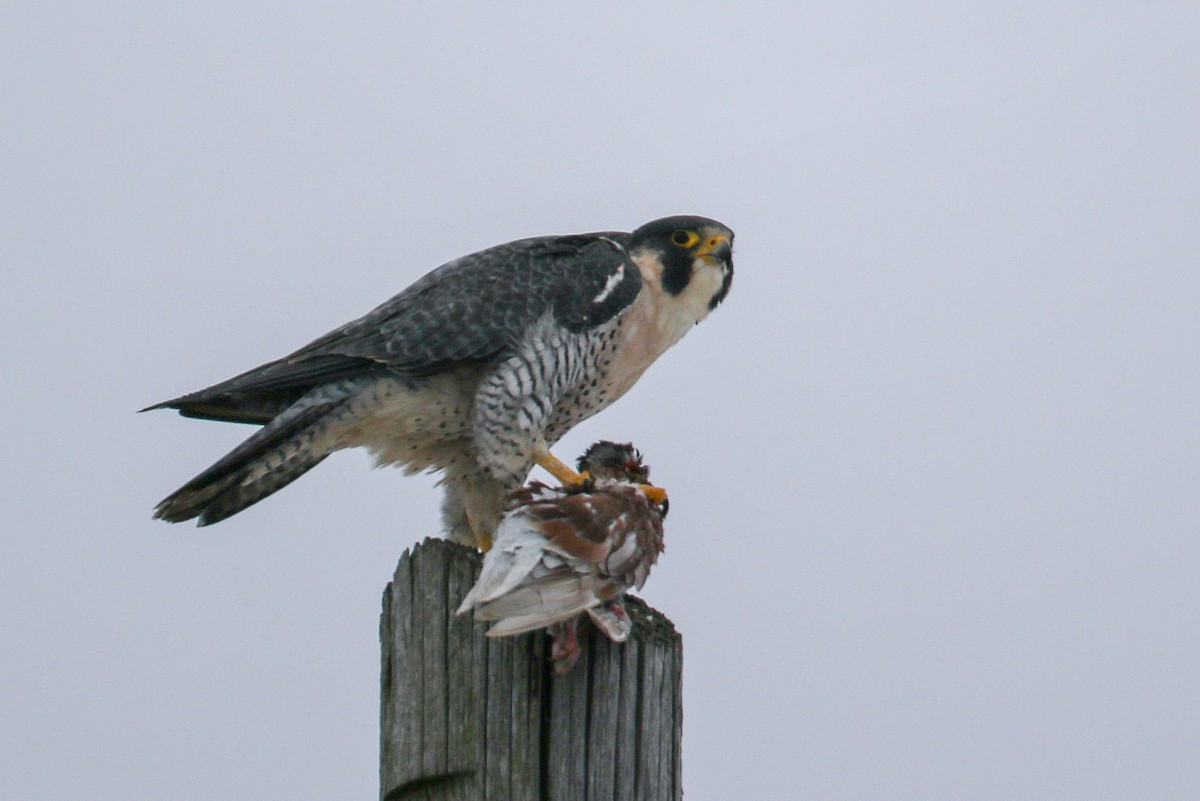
(179, 508)
(165, 513)
(169, 404)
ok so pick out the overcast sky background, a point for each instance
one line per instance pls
(934, 466)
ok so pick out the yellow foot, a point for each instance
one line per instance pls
(483, 534)
(654, 494)
(555, 467)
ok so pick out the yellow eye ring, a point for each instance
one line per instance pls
(685, 239)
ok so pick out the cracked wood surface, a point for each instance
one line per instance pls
(467, 718)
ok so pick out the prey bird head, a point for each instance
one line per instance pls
(608, 462)
(615, 462)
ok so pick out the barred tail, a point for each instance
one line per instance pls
(273, 457)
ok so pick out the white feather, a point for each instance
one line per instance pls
(610, 284)
(546, 597)
(516, 552)
(616, 627)
(519, 625)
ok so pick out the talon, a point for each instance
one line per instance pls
(653, 494)
(564, 650)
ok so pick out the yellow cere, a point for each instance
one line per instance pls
(714, 243)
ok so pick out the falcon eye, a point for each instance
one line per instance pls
(685, 239)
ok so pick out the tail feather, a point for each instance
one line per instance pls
(231, 494)
(522, 624)
(264, 463)
(538, 605)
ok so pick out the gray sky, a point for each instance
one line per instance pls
(933, 466)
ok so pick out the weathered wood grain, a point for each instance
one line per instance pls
(469, 718)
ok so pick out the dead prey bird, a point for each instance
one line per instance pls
(560, 552)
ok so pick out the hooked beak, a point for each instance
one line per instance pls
(717, 251)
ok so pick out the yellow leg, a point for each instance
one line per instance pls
(555, 467)
(483, 535)
(569, 478)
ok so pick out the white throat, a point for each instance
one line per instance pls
(672, 316)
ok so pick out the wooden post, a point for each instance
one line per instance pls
(472, 718)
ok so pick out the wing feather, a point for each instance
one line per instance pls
(517, 550)
(538, 606)
(472, 310)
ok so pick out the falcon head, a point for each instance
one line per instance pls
(694, 255)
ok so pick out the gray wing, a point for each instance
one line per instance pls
(473, 310)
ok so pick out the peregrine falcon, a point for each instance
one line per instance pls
(562, 552)
(475, 370)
